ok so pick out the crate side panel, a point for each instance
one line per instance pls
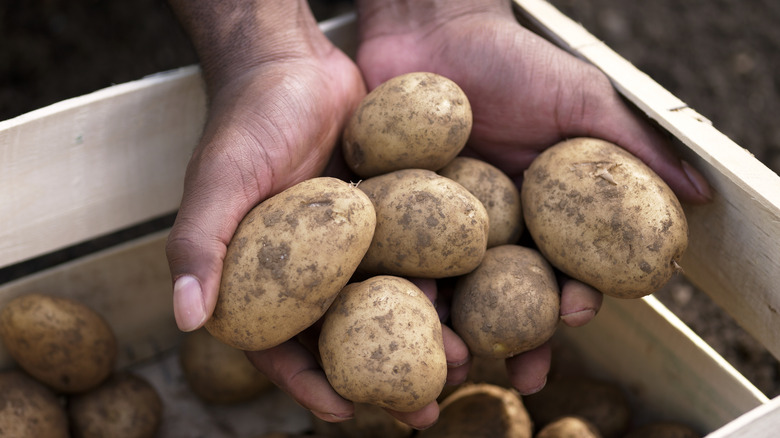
(95, 164)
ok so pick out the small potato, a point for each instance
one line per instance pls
(416, 120)
(601, 403)
(603, 217)
(508, 305)
(427, 226)
(28, 408)
(218, 373)
(381, 344)
(497, 192)
(287, 261)
(569, 427)
(124, 406)
(481, 410)
(59, 341)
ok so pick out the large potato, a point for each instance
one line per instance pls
(427, 226)
(416, 120)
(508, 305)
(497, 192)
(481, 410)
(381, 344)
(603, 217)
(287, 261)
(124, 406)
(218, 373)
(28, 408)
(59, 341)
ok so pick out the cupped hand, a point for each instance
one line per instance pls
(526, 95)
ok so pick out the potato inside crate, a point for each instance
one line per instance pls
(664, 367)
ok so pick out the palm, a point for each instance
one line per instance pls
(525, 93)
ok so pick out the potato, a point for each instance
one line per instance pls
(508, 305)
(124, 406)
(59, 341)
(427, 226)
(663, 429)
(287, 261)
(218, 373)
(481, 410)
(381, 344)
(416, 120)
(370, 421)
(600, 402)
(603, 217)
(28, 408)
(569, 427)
(497, 192)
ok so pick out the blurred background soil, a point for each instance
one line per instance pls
(719, 56)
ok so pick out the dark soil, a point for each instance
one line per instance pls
(719, 56)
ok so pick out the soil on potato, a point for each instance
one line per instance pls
(720, 57)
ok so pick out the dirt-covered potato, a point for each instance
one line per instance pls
(59, 341)
(569, 427)
(370, 421)
(28, 408)
(124, 406)
(381, 344)
(427, 226)
(663, 429)
(508, 305)
(416, 120)
(218, 373)
(287, 261)
(497, 192)
(481, 410)
(600, 402)
(603, 217)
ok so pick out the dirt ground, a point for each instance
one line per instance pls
(719, 56)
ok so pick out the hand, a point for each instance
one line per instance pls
(526, 95)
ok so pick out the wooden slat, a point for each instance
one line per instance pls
(734, 252)
(129, 285)
(670, 372)
(97, 163)
(763, 421)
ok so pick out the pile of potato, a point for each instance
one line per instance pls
(344, 253)
(67, 384)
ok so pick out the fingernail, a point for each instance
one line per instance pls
(578, 318)
(535, 389)
(188, 308)
(332, 418)
(697, 180)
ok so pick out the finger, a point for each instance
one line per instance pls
(528, 371)
(293, 369)
(457, 354)
(420, 419)
(579, 303)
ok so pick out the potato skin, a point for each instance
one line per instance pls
(28, 408)
(218, 373)
(497, 192)
(427, 226)
(508, 305)
(124, 406)
(569, 427)
(287, 261)
(381, 343)
(59, 341)
(415, 120)
(603, 217)
(481, 410)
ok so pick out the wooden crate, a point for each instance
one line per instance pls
(92, 165)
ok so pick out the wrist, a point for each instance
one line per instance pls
(232, 37)
(380, 16)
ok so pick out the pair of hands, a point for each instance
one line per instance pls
(277, 109)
